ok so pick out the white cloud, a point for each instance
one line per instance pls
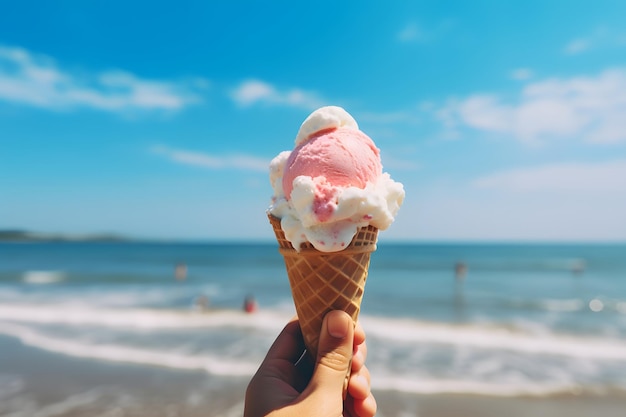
(592, 108)
(414, 33)
(601, 37)
(254, 91)
(458, 215)
(485, 113)
(577, 46)
(36, 80)
(205, 160)
(586, 178)
(522, 74)
(410, 33)
(570, 201)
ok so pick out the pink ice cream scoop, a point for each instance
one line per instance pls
(331, 184)
(334, 158)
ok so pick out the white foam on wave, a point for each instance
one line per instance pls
(563, 305)
(9, 385)
(430, 386)
(403, 330)
(29, 324)
(574, 305)
(494, 338)
(73, 403)
(382, 380)
(149, 319)
(116, 353)
(43, 277)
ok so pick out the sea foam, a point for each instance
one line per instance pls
(43, 277)
(429, 386)
(493, 338)
(141, 318)
(216, 365)
(482, 336)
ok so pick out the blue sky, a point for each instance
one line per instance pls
(506, 121)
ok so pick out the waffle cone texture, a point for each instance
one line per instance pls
(325, 281)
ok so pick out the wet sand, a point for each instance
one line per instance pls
(403, 405)
(34, 382)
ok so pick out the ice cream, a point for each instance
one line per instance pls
(331, 184)
(330, 199)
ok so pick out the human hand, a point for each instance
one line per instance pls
(288, 384)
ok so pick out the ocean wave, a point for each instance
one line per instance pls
(10, 384)
(533, 263)
(406, 355)
(494, 338)
(568, 305)
(215, 365)
(557, 305)
(501, 384)
(432, 386)
(43, 277)
(481, 336)
(125, 318)
(29, 407)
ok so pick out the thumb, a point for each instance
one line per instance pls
(334, 354)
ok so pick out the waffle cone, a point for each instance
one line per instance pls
(325, 281)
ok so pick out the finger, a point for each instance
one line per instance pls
(359, 385)
(334, 354)
(358, 358)
(289, 344)
(359, 334)
(363, 408)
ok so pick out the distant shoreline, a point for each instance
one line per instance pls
(27, 236)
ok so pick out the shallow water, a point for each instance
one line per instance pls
(526, 320)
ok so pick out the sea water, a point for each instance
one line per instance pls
(484, 319)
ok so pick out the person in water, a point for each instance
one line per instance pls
(180, 272)
(289, 383)
(250, 305)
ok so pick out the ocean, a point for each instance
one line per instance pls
(492, 320)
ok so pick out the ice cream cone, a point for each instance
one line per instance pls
(325, 281)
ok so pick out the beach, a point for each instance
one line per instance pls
(111, 330)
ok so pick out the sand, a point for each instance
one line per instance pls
(402, 405)
(34, 382)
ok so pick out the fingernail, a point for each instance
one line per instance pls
(338, 326)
